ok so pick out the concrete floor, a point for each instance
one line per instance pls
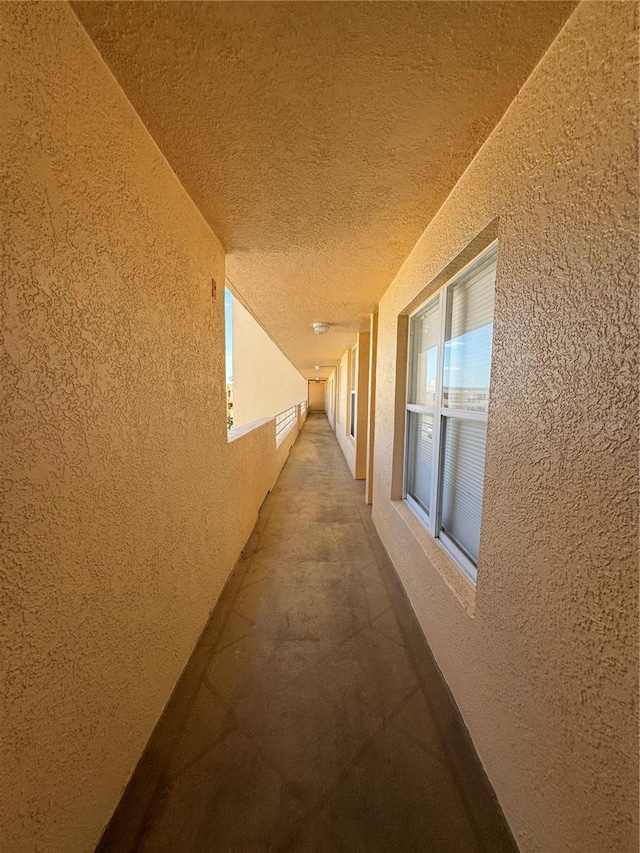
(311, 716)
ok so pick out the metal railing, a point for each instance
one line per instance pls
(284, 421)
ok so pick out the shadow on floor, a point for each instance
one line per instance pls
(311, 715)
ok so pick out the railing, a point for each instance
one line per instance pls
(284, 421)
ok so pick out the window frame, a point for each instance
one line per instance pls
(440, 413)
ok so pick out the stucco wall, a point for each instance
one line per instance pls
(362, 405)
(123, 506)
(331, 398)
(545, 672)
(355, 450)
(343, 402)
(371, 403)
(264, 380)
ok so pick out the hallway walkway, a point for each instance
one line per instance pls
(311, 716)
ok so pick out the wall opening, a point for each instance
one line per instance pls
(228, 353)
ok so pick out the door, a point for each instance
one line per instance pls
(316, 395)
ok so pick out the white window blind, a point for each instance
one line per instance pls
(467, 349)
(447, 402)
(425, 333)
(420, 463)
(462, 483)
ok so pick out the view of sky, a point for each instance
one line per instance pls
(467, 359)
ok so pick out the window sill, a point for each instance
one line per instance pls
(453, 576)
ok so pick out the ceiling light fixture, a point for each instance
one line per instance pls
(321, 328)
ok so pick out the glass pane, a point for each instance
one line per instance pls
(462, 482)
(353, 414)
(425, 334)
(420, 458)
(467, 349)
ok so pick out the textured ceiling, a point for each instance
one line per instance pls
(319, 139)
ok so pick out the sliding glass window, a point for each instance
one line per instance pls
(450, 341)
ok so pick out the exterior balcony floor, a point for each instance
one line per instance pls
(311, 716)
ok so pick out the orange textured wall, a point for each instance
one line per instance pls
(545, 672)
(343, 403)
(123, 506)
(264, 380)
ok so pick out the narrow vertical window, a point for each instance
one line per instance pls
(353, 372)
(425, 344)
(447, 405)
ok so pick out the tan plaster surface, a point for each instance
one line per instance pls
(118, 531)
(264, 380)
(546, 672)
(343, 403)
(362, 404)
(318, 139)
(117, 448)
